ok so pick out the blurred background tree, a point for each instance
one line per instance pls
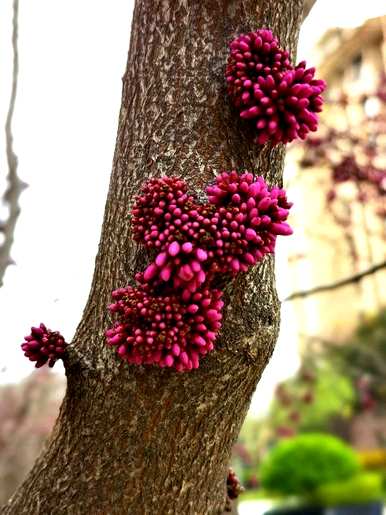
(27, 413)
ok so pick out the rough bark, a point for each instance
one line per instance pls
(142, 440)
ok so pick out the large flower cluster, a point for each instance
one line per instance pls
(162, 329)
(281, 100)
(44, 345)
(172, 315)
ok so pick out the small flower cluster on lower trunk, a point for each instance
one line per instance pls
(172, 315)
(234, 489)
(44, 345)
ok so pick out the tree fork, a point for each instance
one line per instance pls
(144, 440)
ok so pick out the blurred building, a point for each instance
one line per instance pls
(352, 61)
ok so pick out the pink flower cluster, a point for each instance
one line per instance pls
(249, 217)
(234, 487)
(44, 345)
(281, 100)
(162, 329)
(172, 315)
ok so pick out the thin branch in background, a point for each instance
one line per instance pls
(14, 185)
(353, 279)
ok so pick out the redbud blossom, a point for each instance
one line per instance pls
(164, 329)
(229, 234)
(250, 216)
(279, 99)
(234, 488)
(44, 345)
(163, 214)
(172, 316)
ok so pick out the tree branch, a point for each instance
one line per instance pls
(308, 5)
(14, 185)
(353, 279)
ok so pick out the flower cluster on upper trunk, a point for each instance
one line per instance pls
(281, 100)
(172, 315)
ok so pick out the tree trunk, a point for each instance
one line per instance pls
(143, 440)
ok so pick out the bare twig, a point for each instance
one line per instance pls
(353, 279)
(15, 186)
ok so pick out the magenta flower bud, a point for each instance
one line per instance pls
(44, 346)
(264, 204)
(174, 248)
(114, 340)
(201, 277)
(199, 340)
(176, 349)
(184, 358)
(250, 234)
(169, 360)
(235, 265)
(121, 350)
(252, 112)
(249, 258)
(161, 259)
(193, 308)
(243, 46)
(150, 272)
(195, 266)
(201, 255)
(212, 314)
(38, 331)
(281, 228)
(165, 274)
(187, 247)
(186, 273)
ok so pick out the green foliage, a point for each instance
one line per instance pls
(333, 395)
(364, 354)
(360, 489)
(301, 464)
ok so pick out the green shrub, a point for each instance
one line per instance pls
(361, 489)
(301, 464)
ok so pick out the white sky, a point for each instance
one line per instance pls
(72, 58)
